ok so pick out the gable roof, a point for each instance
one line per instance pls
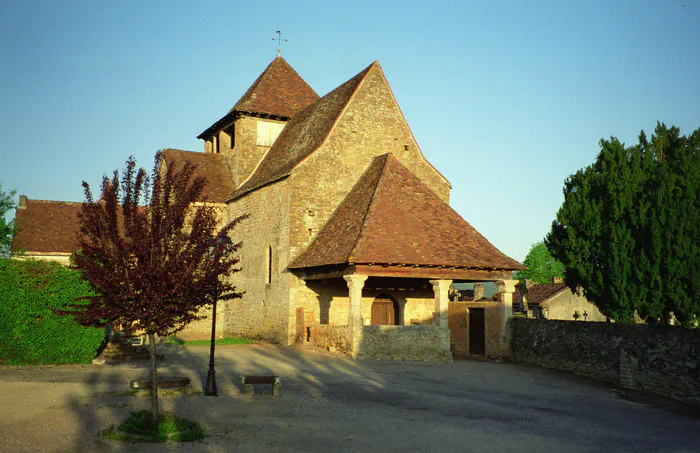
(302, 135)
(391, 217)
(278, 92)
(47, 226)
(211, 166)
(541, 292)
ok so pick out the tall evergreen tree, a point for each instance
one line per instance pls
(628, 232)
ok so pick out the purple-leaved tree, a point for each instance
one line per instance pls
(152, 255)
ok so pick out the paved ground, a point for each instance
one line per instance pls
(330, 404)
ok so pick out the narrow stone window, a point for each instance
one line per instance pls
(269, 264)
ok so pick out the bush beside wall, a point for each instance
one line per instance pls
(30, 333)
(657, 358)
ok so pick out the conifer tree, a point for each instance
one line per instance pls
(152, 256)
(628, 232)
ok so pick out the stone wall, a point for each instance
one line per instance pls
(264, 312)
(371, 125)
(411, 343)
(656, 358)
(331, 338)
(458, 321)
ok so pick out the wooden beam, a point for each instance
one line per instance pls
(433, 273)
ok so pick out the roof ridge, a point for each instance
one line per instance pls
(301, 118)
(364, 73)
(408, 126)
(369, 205)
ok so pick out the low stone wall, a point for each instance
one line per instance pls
(412, 343)
(331, 338)
(660, 359)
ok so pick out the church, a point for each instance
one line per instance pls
(350, 243)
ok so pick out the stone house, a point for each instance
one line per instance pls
(556, 301)
(350, 242)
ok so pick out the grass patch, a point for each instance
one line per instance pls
(140, 427)
(220, 341)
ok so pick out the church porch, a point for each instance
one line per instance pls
(376, 314)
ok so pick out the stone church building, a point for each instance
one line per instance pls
(350, 242)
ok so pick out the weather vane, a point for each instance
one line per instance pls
(279, 42)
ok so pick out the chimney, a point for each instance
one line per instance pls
(22, 202)
(478, 291)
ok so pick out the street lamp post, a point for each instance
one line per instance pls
(210, 388)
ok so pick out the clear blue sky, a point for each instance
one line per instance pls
(506, 99)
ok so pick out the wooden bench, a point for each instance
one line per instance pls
(163, 383)
(250, 381)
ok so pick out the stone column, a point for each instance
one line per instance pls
(506, 288)
(355, 326)
(441, 289)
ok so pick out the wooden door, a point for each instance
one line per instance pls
(477, 331)
(383, 312)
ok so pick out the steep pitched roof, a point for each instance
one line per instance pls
(391, 217)
(47, 227)
(541, 292)
(302, 135)
(211, 166)
(278, 92)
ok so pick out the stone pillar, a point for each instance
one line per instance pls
(506, 288)
(208, 146)
(355, 325)
(224, 142)
(441, 289)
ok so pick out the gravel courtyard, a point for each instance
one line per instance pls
(331, 404)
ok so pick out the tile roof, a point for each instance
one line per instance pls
(211, 166)
(302, 135)
(391, 217)
(541, 292)
(279, 92)
(47, 227)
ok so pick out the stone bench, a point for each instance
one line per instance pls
(250, 381)
(163, 383)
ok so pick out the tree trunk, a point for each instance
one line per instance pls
(154, 379)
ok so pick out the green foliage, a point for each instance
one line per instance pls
(139, 427)
(30, 332)
(628, 231)
(6, 228)
(542, 267)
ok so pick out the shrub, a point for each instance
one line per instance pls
(30, 333)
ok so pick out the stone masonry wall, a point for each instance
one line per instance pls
(656, 358)
(411, 343)
(331, 338)
(371, 125)
(264, 311)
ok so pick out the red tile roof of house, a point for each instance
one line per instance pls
(278, 92)
(302, 135)
(46, 227)
(211, 166)
(541, 292)
(391, 217)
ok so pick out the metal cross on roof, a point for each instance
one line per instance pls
(279, 42)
